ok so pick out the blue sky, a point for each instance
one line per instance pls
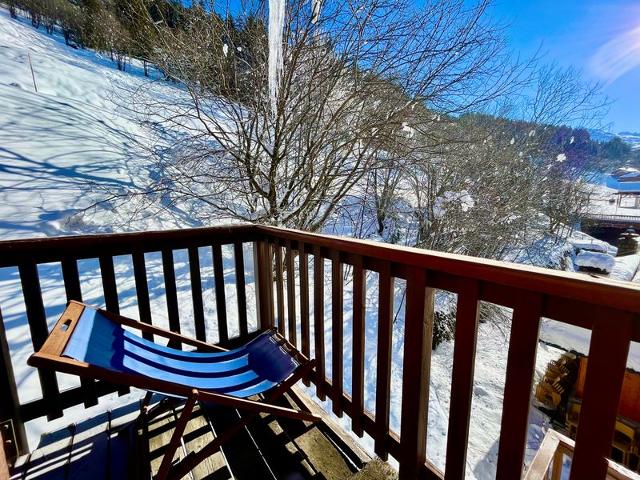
(602, 38)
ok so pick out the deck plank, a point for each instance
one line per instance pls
(244, 459)
(159, 434)
(114, 445)
(197, 434)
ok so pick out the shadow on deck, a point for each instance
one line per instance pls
(117, 445)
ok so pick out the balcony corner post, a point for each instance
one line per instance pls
(9, 401)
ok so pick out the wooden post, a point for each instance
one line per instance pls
(357, 368)
(291, 293)
(33, 75)
(39, 332)
(142, 289)
(464, 355)
(241, 294)
(9, 400)
(196, 293)
(521, 363)
(171, 292)
(337, 298)
(280, 289)
(383, 378)
(221, 302)
(608, 353)
(318, 319)
(263, 278)
(304, 299)
(418, 333)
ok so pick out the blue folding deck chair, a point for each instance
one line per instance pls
(94, 343)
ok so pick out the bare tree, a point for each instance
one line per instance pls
(359, 86)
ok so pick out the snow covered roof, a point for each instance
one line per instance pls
(599, 261)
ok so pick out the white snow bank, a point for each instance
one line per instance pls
(625, 268)
(582, 241)
(592, 246)
(600, 261)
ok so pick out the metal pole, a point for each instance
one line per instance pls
(33, 76)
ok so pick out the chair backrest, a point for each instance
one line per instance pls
(253, 368)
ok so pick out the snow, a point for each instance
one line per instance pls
(625, 268)
(600, 261)
(590, 246)
(577, 339)
(61, 147)
(582, 241)
(276, 31)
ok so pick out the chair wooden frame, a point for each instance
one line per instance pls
(50, 357)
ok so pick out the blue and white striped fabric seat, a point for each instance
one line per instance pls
(249, 370)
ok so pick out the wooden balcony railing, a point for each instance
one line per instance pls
(551, 463)
(610, 310)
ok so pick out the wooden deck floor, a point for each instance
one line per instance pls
(116, 445)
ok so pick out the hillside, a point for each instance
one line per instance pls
(63, 147)
(68, 146)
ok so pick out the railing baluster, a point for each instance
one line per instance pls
(221, 302)
(464, 354)
(291, 293)
(263, 277)
(318, 318)
(269, 253)
(337, 297)
(142, 289)
(110, 290)
(39, 333)
(169, 272)
(608, 353)
(9, 400)
(558, 462)
(279, 288)
(357, 375)
(383, 380)
(196, 293)
(241, 294)
(304, 299)
(418, 333)
(73, 291)
(521, 363)
(109, 284)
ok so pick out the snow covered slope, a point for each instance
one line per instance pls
(62, 147)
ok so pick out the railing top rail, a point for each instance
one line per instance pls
(84, 246)
(608, 216)
(576, 286)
